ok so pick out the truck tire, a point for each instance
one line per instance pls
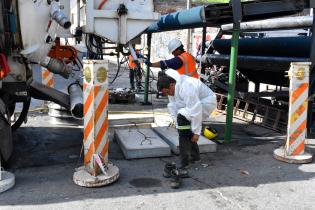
(6, 142)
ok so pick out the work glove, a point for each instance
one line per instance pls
(147, 62)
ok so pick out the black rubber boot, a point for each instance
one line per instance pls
(171, 166)
(168, 168)
(185, 143)
(176, 180)
(183, 173)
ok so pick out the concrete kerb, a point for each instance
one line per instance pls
(7, 180)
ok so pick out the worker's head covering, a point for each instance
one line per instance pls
(174, 44)
(173, 73)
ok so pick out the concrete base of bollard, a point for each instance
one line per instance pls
(7, 181)
(85, 179)
(280, 154)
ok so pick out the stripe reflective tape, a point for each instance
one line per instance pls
(47, 78)
(88, 128)
(299, 149)
(105, 149)
(50, 83)
(298, 92)
(101, 106)
(90, 152)
(185, 64)
(298, 112)
(88, 102)
(46, 73)
(101, 133)
(183, 127)
(96, 90)
(297, 132)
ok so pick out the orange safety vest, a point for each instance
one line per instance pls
(131, 63)
(189, 65)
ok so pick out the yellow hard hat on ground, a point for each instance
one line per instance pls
(210, 133)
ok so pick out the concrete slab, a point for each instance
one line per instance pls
(121, 119)
(114, 119)
(170, 136)
(141, 143)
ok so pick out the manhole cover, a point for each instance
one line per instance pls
(145, 182)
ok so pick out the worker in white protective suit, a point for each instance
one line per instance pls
(190, 102)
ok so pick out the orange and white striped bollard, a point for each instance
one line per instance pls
(97, 170)
(294, 150)
(48, 80)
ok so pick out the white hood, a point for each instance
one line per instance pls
(173, 73)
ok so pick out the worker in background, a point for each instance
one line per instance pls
(135, 71)
(183, 62)
(190, 102)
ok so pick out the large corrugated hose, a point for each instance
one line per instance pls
(22, 116)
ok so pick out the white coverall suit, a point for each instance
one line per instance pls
(192, 99)
(192, 103)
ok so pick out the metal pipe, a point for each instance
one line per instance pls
(133, 52)
(192, 18)
(237, 17)
(230, 98)
(147, 76)
(76, 100)
(216, 14)
(59, 17)
(203, 47)
(274, 24)
(263, 69)
(189, 31)
(78, 13)
(56, 66)
(258, 63)
(43, 92)
(273, 46)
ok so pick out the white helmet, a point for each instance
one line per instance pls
(174, 44)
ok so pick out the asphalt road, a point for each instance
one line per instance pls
(240, 175)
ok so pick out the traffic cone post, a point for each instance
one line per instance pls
(294, 149)
(48, 79)
(97, 171)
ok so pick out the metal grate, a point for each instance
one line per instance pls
(256, 113)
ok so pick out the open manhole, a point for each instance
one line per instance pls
(145, 182)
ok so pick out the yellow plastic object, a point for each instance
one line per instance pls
(210, 133)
